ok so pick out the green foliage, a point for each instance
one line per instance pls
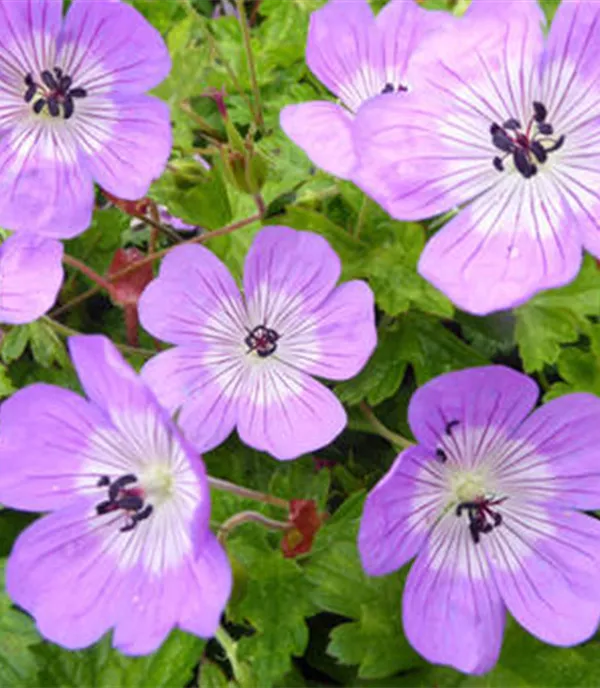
(317, 619)
(557, 317)
(171, 666)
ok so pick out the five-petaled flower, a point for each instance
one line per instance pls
(127, 545)
(507, 124)
(248, 361)
(73, 110)
(488, 502)
(31, 273)
(358, 56)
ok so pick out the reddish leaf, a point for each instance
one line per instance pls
(306, 522)
(127, 290)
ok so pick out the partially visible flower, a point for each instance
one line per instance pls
(488, 502)
(127, 545)
(358, 56)
(31, 275)
(249, 361)
(508, 127)
(177, 223)
(73, 111)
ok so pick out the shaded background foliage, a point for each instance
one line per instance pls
(315, 619)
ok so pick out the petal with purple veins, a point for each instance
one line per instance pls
(400, 512)
(110, 47)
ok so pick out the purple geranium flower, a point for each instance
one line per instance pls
(488, 503)
(31, 274)
(74, 110)
(507, 124)
(358, 56)
(127, 545)
(248, 361)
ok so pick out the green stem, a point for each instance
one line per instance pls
(230, 646)
(87, 271)
(249, 517)
(392, 437)
(65, 331)
(250, 58)
(151, 257)
(362, 214)
(247, 493)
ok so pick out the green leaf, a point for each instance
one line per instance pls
(101, 666)
(211, 676)
(47, 348)
(14, 343)
(375, 640)
(525, 662)
(276, 603)
(383, 374)
(557, 317)
(6, 384)
(18, 667)
(391, 267)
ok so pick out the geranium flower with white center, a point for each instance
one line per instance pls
(488, 503)
(248, 361)
(31, 274)
(358, 56)
(507, 124)
(127, 544)
(73, 110)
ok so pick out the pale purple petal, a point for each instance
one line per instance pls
(110, 47)
(31, 275)
(512, 242)
(47, 432)
(556, 460)
(62, 573)
(451, 609)
(405, 29)
(204, 388)
(286, 272)
(191, 596)
(546, 568)
(491, 397)
(286, 413)
(342, 51)
(209, 305)
(338, 339)
(411, 164)
(323, 132)
(126, 140)
(29, 32)
(400, 512)
(45, 188)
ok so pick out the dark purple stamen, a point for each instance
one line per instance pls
(123, 498)
(450, 425)
(56, 93)
(263, 340)
(441, 455)
(482, 518)
(525, 146)
(390, 88)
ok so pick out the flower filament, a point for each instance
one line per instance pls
(55, 93)
(529, 147)
(482, 518)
